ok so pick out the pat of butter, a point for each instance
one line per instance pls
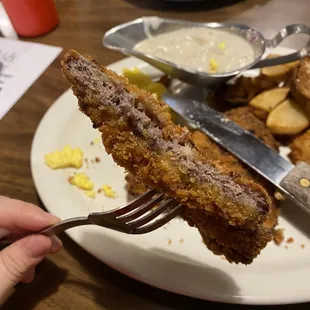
(213, 65)
(156, 88)
(67, 157)
(90, 193)
(82, 181)
(108, 191)
(144, 81)
(137, 77)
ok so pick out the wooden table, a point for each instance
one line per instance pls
(73, 279)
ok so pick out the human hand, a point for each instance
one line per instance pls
(18, 261)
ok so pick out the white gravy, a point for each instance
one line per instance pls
(201, 49)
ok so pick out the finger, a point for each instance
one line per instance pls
(29, 276)
(4, 232)
(17, 215)
(17, 259)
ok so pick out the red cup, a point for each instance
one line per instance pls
(32, 18)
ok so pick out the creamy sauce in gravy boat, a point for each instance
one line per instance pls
(195, 52)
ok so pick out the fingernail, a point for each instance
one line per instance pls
(56, 244)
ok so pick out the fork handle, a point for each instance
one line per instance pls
(64, 225)
(51, 230)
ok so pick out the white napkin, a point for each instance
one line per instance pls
(23, 63)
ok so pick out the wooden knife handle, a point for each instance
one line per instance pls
(297, 183)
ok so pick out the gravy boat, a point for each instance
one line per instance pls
(124, 37)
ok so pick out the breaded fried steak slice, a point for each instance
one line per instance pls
(300, 147)
(138, 132)
(245, 118)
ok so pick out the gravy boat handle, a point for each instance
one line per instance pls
(281, 35)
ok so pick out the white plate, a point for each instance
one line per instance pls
(172, 258)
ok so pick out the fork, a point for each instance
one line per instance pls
(137, 217)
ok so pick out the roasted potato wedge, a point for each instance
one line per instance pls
(269, 99)
(287, 118)
(279, 73)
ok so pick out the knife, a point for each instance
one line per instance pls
(292, 180)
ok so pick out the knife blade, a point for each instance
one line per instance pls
(290, 179)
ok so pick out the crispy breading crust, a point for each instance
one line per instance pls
(161, 170)
(246, 118)
(133, 186)
(300, 84)
(300, 148)
(212, 150)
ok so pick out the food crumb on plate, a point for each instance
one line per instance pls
(90, 193)
(221, 45)
(96, 141)
(108, 191)
(278, 236)
(290, 240)
(97, 160)
(302, 246)
(169, 241)
(65, 158)
(286, 247)
(82, 181)
(181, 240)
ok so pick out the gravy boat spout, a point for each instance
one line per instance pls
(125, 37)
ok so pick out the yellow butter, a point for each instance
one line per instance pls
(107, 190)
(97, 140)
(90, 193)
(82, 181)
(67, 157)
(137, 77)
(222, 45)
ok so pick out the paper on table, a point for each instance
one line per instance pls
(23, 63)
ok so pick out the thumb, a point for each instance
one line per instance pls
(17, 259)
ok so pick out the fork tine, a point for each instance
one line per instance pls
(141, 210)
(142, 199)
(164, 205)
(158, 223)
(128, 219)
